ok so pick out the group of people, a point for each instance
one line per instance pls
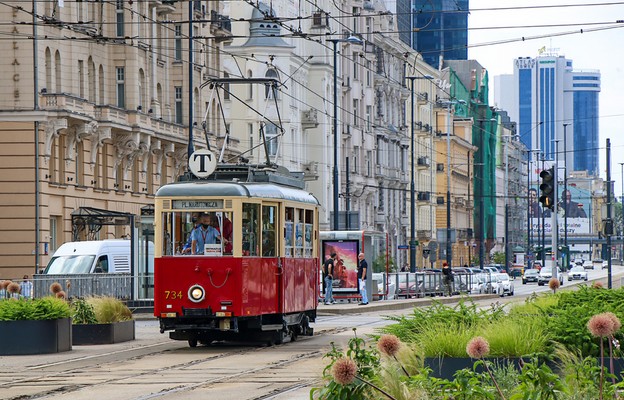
(207, 230)
(571, 209)
(330, 270)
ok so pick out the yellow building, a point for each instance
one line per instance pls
(99, 121)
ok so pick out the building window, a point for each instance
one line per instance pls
(81, 86)
(250, 130)
(55, 223)
(177, 53)
(356, 114)
(178, 104)
(79, 164)
(121, 87)
(226, 87)
(250, 88)
(119, 13)
(270, 91)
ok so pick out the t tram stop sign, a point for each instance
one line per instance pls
(202, 163)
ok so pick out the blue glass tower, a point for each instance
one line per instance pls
(437, 27)
(586, 89)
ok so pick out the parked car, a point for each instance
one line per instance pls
(490, 270)
(498, 267)
(578, 261)
(502, 285)
(545, 275)
(588, 264)
(381, 287)
(577, 272)
(599, 263)
(530, 275)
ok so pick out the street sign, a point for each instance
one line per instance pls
(403, 247)
(433, 245)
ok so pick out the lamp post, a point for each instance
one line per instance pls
(449, 106)
(622, 215)
(413, 184)
(565, 191)
(353, 40)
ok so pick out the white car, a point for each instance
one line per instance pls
(546, 274)
(588, 264)
(502, 285)
(577, 272)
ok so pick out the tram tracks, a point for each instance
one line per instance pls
(69, 377)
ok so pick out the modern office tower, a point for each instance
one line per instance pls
(549, 101)
(435, 28)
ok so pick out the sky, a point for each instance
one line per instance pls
(599, 50)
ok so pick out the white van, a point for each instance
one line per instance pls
(99, 256)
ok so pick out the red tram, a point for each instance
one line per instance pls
(258, 278)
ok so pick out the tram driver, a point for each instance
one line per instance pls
(206, 234)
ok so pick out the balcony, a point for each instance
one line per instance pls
(220, 26)
(165, 6)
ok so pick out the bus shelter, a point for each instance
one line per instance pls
(347, 245)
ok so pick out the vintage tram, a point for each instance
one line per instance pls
(258, 280)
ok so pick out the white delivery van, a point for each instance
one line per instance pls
(99, 256)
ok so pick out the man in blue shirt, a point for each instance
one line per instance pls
(204, 234)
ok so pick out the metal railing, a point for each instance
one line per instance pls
(121, 286)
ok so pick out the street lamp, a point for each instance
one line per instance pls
(412, 187)
(449, 105)
(622, 215)
(565, 189)
(352, 40)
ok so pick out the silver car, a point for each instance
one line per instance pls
(577, 272)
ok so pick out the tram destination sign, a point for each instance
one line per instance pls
(197, 204)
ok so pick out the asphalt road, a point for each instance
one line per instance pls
(155, 367)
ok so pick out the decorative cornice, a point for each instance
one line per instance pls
(53, 129)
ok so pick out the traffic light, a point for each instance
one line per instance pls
(547, 188)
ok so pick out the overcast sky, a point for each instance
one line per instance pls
(591, 50)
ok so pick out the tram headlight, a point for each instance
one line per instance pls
(196, 293)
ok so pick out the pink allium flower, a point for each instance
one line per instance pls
(389, 345)
(478, 347)
(60, 295)
(554, 283)
(597, 285)
(13, 287)
(616, 321)
(344, 371)
(56, 287)
(601, 325)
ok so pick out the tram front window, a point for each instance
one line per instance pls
(210, 233)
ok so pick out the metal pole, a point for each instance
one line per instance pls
(469, 219)
(191, 148)
(448, 186)
(36, 136)
(543, 239)
(622, 216)
(347, 202)
(335, 174)
(555, 230)
(507, 203)
(481, 205)
(482, 233)
(609, 205)
(412, 191)
(565, 190)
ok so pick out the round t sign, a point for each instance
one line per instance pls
(202, 163)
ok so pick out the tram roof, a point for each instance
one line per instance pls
(235, 189)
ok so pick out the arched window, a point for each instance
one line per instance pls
(91, 80)
(58, 72)
(48, 69)
(101, 85)
(270, 91)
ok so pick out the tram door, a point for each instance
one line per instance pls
(273, 279)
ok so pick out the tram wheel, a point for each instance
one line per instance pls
(192, 342)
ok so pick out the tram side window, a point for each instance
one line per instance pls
(222, 221)
(251, 229)
(269, 225)
(168, 242)
(289, 231)
(309, 232)
(299, 233)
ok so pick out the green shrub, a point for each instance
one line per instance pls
(109, 309)
(83, 312)
(34, 309)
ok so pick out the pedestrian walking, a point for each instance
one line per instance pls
(361, 276)
(328, 278)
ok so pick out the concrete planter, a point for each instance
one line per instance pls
(35, 337)
(86, 334)
(446, 368)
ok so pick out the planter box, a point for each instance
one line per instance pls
(35, 337)
(445, 368)
(85, 334)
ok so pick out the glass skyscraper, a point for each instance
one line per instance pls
(435, 28)
(548, 99)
